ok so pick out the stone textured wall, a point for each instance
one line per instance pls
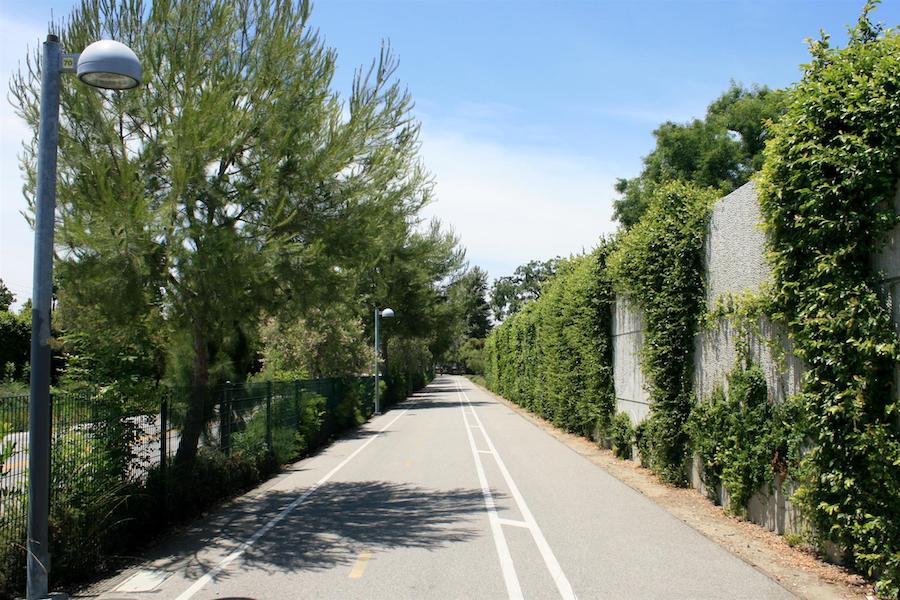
(888, 263)
(628, 338)
(734, 263)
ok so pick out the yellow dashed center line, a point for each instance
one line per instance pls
(360, 566)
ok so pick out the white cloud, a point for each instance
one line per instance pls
(514, 204)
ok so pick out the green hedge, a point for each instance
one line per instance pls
(554, 357)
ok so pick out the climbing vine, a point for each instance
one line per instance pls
(826, 193)
(659, 263)
(743, 439)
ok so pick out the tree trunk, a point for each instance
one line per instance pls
(198, 404)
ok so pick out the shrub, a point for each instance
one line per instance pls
(738, 436)
(621, 435)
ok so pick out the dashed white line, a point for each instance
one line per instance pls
(513, 589)
(556, 572)
(208, 576)
(514, 523)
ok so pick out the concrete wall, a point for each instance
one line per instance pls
(734, 263)
(628, 338)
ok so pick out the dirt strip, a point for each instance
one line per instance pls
(799, 571)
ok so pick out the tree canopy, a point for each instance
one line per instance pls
(720, 151)
(510, 293)
(6, 297)
(234, 186)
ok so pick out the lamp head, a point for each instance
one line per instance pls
(109, 65)
(387, 313)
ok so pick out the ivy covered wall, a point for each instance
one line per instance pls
(782, 379)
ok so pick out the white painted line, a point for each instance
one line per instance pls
(514, 523)
(556, 572)
(208, 576)
(513, 589)
(485, 452)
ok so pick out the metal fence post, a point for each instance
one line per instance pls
(225, 420)
(163, 436)
(50, 406)
(297, 392)
(164, 455)
(269, 415)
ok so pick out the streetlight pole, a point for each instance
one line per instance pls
(108, 65)
(386, 313)
(38, 560)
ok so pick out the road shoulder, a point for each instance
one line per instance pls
(797, 571)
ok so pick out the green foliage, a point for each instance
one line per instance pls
(510, 293)
(478, 380)
(325, 342)
(109, 496)
(88, 496)
(643, 442)
(659, 263)
(312, 417)
(6, 297)
(471, 356)
(826, 192)
(408, 363)
(15, 344)
(621, 435)
(554, 356)
(721, 151)
(740, 437)
(469, 292)
(236, 185)
(465, 323)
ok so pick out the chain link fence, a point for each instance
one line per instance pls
(122, 466)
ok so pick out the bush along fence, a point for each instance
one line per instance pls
(116, 474)
(827, 199)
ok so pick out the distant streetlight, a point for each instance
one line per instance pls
(108, 65)
(387, 313)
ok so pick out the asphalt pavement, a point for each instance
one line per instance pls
(448, 495)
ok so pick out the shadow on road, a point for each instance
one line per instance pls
(429, 397)
(330, 528)
(421, 404)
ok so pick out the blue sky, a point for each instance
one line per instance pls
(530, 110)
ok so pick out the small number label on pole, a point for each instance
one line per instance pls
(69, 63)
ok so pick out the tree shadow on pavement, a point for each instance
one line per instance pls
(429, 404)
(330, 528)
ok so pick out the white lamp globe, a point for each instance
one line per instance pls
(109, 65)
